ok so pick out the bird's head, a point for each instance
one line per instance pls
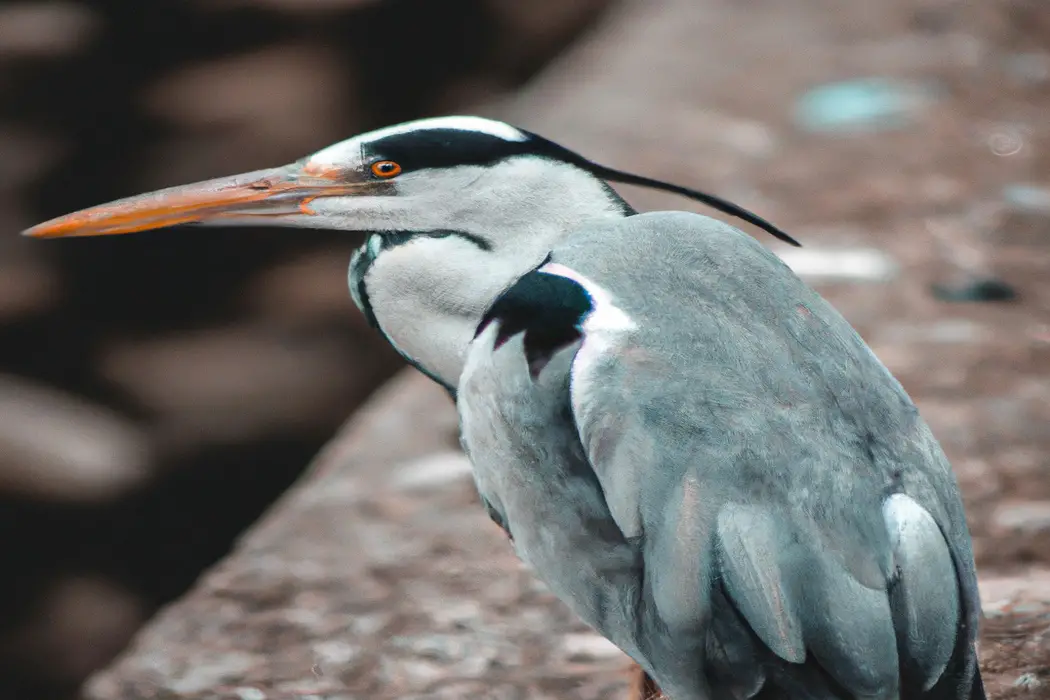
(458, 208)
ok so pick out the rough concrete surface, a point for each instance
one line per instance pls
(377, 577)
(380, 577)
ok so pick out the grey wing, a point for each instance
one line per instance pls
(872, 601)
(529, 467)
(795, 510)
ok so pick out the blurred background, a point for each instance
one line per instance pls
(158, 392)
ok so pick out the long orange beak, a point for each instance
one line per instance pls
(278, 193)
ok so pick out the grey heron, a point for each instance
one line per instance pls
(691, 447)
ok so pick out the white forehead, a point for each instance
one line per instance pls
(346, 151)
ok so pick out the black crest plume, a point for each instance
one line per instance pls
(717, 203)
(612, 175)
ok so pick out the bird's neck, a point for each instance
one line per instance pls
(429, 294)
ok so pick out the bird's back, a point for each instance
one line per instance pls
(795, 517)
(736, 355)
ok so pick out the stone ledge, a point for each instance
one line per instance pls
(379, 576)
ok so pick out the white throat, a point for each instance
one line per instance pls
(429, 294)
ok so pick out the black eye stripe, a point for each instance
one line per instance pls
(445, 148)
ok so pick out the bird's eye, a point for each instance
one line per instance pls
(386, 169)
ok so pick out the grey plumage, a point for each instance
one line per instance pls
(763, 506)
(691, 447)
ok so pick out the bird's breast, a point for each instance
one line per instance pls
(427, 295)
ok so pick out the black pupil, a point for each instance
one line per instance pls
(386, 167)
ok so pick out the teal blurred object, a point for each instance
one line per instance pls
(862, 105)
(1027, 197)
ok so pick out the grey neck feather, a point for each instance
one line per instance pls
(429, 292)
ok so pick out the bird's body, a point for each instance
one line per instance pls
(740, 464)
(690, 446)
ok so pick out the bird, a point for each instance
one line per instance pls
(687, 444)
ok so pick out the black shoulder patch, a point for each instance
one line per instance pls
(549, 309)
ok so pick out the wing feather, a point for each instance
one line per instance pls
(751, 548)
(925, 596)
(742, 449)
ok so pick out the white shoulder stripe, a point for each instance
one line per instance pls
(606, 315)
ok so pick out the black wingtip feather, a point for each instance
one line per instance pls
(717, 203)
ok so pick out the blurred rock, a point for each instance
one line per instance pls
(306, 290)
(1024, 517)
(243, 383)
(28, 286)
(531, 32)
(1023, 526)
(290, 6)
(589, 647)
(264, 88)
(1027, 197)
(975, 290)
(81, 623)
(862, 105)
(967, 265)
(1026, 220)
(935, 16)
(845, 264)
(947, 331)
(1027, 69)
(1028, 21)
(434, 470)
(54, 446)
(28, 153)
(45, 29)
(465, 95)
(263, 108)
